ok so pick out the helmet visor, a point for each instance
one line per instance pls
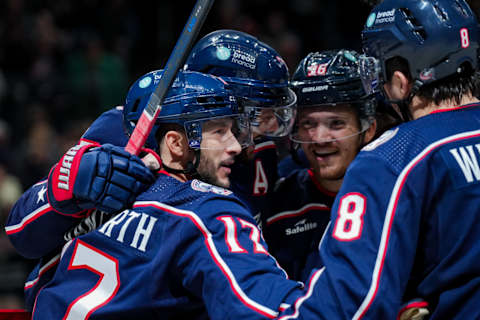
(271, 119)
(370, 73)
(219, 133)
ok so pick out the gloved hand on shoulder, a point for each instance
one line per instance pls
(90, 176)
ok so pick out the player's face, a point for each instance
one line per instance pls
(219, 147)
(267, 123)
(332, 139)
(272, 121)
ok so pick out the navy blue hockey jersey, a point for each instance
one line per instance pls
(253, 180)
(38, 231)
(296, 221)
(32, 216)
(185, 250)
(404, 225)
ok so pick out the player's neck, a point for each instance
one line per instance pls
(331, 185)
(179, 176)
(421, 108)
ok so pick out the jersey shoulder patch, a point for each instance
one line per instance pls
(386, 136)
(206, 187)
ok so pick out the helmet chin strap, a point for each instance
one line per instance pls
(191, 168)
(404, 104)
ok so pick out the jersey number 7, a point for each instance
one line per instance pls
(106, 267)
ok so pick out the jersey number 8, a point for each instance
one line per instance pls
(349, 223)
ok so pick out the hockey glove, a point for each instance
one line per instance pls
(106, 177)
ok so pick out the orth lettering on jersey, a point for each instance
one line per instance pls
(64, 172)
(467, 159)
(130, 227)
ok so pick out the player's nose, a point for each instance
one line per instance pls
(234, 147)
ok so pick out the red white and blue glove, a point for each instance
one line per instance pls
(91, 176)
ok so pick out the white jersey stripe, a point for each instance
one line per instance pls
(264, 145)
(390, 214)
(27, 219)
(293, 213)
(386, 229)
(39, 183)
(42, 270)
(313, 280)
(214, 254)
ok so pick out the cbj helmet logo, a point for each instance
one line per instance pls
(427, 74)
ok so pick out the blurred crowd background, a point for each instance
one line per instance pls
(62, 63)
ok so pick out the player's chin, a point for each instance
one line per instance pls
(331, 172)
(223, 182)
(223, 177)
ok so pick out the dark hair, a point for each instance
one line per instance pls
(463, 83)
(454, 87)
(166, 127)
(397, 64)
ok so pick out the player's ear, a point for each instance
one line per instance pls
(176, 142)
(398, 88)
(370, 133)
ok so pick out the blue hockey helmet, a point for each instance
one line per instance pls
(193, 99)
(437, 38)
(256, 73)
(332, 78)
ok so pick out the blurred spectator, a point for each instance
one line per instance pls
(13, 269)
(98, 79)
(10, 187)
(39, 151)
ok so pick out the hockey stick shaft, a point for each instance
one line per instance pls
(175, 62)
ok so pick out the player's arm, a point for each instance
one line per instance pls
(366, 248)
(228, 266)
(87, 177)
(33, 225)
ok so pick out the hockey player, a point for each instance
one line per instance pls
(263, 89)
(45, 217)
(259, 77)
(266, 91)
(404, 222)
(187, 248)
(335, 119)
